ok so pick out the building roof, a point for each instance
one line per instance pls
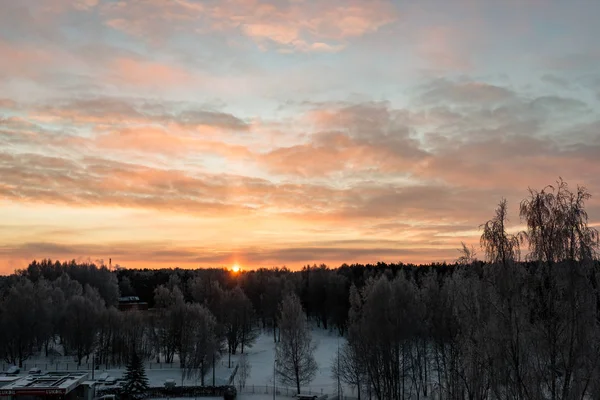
(5, 380)
(50, 383)
(129, 299)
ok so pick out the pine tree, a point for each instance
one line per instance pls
(136, 382)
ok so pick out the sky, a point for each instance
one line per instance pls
(188, 133)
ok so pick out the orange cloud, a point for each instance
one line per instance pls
(174, 141)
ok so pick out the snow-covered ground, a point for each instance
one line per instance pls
(262, 356)
(259, 385)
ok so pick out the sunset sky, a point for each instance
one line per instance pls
(191, 133)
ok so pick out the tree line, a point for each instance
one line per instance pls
(504, 329)
(521, 325)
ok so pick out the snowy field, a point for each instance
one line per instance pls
(262, 356)
(259, 385)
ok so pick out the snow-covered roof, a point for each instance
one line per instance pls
(50, 383)
(5, 380)
(128, 299)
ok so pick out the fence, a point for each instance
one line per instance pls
(279, 390)
(176, 392)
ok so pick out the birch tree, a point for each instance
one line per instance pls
(295, 362)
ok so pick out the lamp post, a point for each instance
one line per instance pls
(339, 384)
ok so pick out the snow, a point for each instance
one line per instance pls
(241, 396)
(259, 384)
(262, 356)
(158, 377)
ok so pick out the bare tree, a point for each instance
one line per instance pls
(244, 369)
(383, 324)
(467, 255)
(557, 224)
(170, 320)
(18, 322)
(511, 353)
(238, 320)
(81, 322)
(499, 246)
(295, 362)
(200, 340)
(348, 368)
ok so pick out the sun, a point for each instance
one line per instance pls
(235, 268)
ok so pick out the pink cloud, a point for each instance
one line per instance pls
(23, 61)
(289, 25)
(444, 47)
(130, 71)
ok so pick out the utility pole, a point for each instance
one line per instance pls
(274, 374)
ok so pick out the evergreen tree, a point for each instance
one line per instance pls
(136, 382)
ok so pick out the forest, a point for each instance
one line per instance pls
(522, 324)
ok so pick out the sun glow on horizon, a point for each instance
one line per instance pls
(235, 268)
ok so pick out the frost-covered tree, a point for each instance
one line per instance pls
(348, 368)
(244, 369)
(81, 322)
(18, 322)
(557, 224)
(200, 341)
(295, 361)
(500, 247)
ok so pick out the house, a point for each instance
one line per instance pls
(132, 303)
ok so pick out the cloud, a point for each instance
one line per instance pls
(7, 104)
(286, 25)
(129, 71)
(123, 110)
(24, 61)
(354, 138)
(88, 182)
(575, 61)
(158, 254)
(175, 142)
(556, 80)
(469, 92)
(32, 178)
(558, 104)
(41, 179)
(444, 48)
(500, 163)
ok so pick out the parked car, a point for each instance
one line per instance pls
(170, 383)
(35, 371)
(13, 370)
